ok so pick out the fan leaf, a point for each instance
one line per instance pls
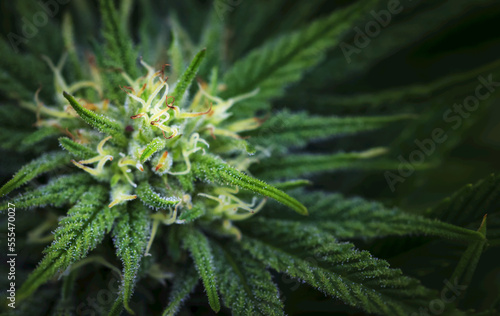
(212, 169)
(44, 163)
(199, 247)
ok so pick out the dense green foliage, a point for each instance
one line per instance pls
(170, 158)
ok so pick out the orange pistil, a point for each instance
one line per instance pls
(128, 88)
(161, 162)
(137, 116)
(67, 132)
(211, 129)
(169, 137)
(171, 105)
(142, 90)
(163, 72)
(209, 112)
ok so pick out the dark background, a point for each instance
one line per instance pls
(408, 56)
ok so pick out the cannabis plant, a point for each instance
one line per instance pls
(175, 152)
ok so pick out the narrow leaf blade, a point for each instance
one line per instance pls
(99, 122)
(78, 150)
(184, 284)
(198, 246)
(213, 169)
(44, 163)
(78, 233)
(154, 146)
(148, 196)
(131, 234)
(188, 76)
(245, 285)
(60, 191)
(355, 277)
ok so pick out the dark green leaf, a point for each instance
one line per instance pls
(212, 169)
(198, 246)
(35, 168)
(99, 122)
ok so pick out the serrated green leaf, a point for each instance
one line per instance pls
(40, 135)
(44, 163)
(154, 146)
(78, 233)
(117, 308)
(189, 215)
(197, 244)
(412, 92)
(78, 150)
(213, 39)
(22, 73)
(347, 218)
(470, 203)
(468, 262)
(99, 122)
(355, 277)
(468, 206)
(59, 191)
(131, 234)
(125, 12)
(68, 35)
(292, 184)
(249, 30)
(184, 283)
(286, 129)
(226, 145)
(244, 283)
(152, 199)
(283, 61)
(188, 76)
(176, 54)
(292, 166)
(212, 169)
(49, 44)
(119, 48)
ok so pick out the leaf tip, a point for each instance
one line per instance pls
(66, 95)
(303, 210)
